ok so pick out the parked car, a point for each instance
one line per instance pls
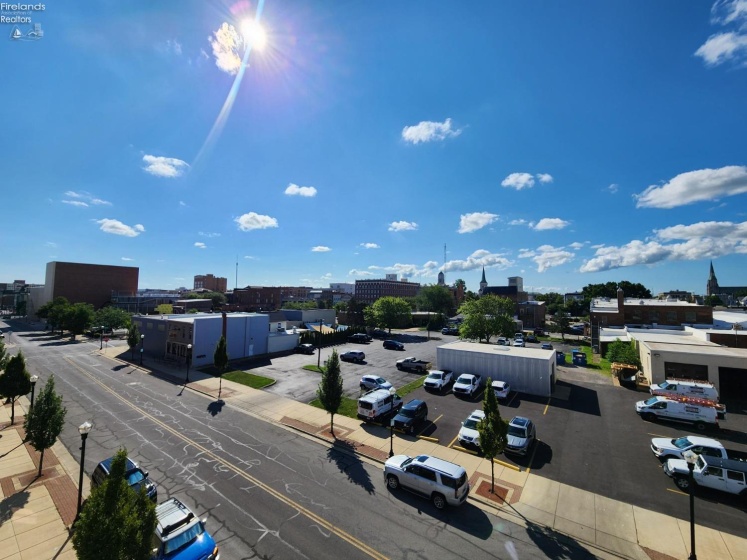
(546, 346)
(450, 330)
(412, 364)
(701, 415)
(352, 356)
(305, 349)
(665, 448)
(442, 482)
(136, 477)
(369, 382)
(539, 331)
(393, 345)
(468, 435)
(686, 388)
(501, 389)
(467, 385)
(531, 338)
(519, 343)
(360, 338)
(413, 413)
(719, 474)
(437, 380)
(181, 535)
(521, 435)
(502, 341)
(379, 333)
(378, 404)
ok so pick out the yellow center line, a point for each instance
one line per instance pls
(547, 406)
(363, 547)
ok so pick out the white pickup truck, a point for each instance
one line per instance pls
(665, 448)
(726, 475)
(467, 385)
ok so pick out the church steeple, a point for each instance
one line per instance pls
(712, 286)
(483, 282)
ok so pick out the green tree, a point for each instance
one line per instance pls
(561, 322)
(78, 318)
(220, 360)
(54, 312)
(493, 431)
(713, 301)
(388, 312)
(165, 309)
(111, 318)
(15, 382)
(437, 299)
(487, 316)
(3, 355)
(623, 352)
(116, 522)
(329, 391)
(133, 339)
(44, 422)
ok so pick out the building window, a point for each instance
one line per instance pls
(690, 317)
(671, 317)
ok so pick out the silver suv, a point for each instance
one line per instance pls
(521, 435)
(441, 482)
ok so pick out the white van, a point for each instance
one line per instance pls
(376, 404)
(686, 388)
(702, 416)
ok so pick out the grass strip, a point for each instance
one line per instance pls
(248, 379)
(348, 407)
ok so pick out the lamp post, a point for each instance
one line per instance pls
(691, 459)
(83, 430)
(142, 344)
(319, 357)
(736, 327)
(34, 379)
(101, 338)
(391, 437)
(189, 356)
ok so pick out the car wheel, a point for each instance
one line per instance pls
(439, 501)
(700, 426)
(363, 387)
(399, 367)
(392, 482)
(682, 482)
(648, 416)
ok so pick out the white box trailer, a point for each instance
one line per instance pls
(528, 370)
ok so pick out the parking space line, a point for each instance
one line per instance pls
(547, 406)
(453, 441)
(512, 398)
(531, 459)
(677, 492)
(658, 435)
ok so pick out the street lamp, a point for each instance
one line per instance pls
(319, 357)
(101, 338)
(83, 430)
(34, 379)
(691, 459)
(142, 344)
(391, 437)
(189, 356)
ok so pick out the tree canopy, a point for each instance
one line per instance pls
(14, 382)
(486, 317)
(623, 352)
(111, 318)
(78, 318)
(44, 422)
(116, 522)
(493, 430)
(437, 299)
(329, 391)
(388, 312)
(133, 339)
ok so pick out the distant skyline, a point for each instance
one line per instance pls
(569, 144)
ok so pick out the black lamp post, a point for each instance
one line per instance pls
(391, 437)
(101, 338)
(189, 358)
(691, 459)
(142, 344)
(83, 430)
(319, 358)
(34, 379)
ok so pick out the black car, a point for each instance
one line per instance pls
(393, 345)
(136, 477)
(379, 333)
(360, 338)
(410, 415)
(531, 338)
(305, 349)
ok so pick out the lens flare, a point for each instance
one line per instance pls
(254, 34)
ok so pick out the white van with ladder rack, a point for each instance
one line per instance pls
(702, 413)
(686, 388)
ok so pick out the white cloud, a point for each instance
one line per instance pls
(477, 260)
(227, 43)
(518, 181)
(84, 199)
(547, 256)
(169, 46)
(295, 190)
(79, 203)
(127, 259)
(703, 229)
(727, 11)
(250, 221)
(427, 131)
(695, 186)
(613, 188)
(550, 223)
(208, 234)
(320, 249)
(50, 244)
(200, 245)
(576, 245)
(356, 272)
(722, 47)
(518, 223)
(544, 177)
(164, 166)
(370, 246)
(402, 226)
(182, 203)
(118, 228)
(474, 221)
(251, 258)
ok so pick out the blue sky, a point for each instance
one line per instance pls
(567, 143)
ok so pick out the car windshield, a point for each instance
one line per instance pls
(517, 431)
(135, 477)
(651, 401)
(663, 385)
(407, 412)
(471, 423)
(681, 443)
(464, 379)
(182, 539)
(435, 376)
(406, 462)
(380, 380)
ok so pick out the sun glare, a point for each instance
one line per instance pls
(254, 34)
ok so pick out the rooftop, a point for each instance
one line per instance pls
(609, 305)
(516, 351)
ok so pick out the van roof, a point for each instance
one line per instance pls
(452, 469)
(375, 395)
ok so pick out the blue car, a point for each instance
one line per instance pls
(181, 535)
(393, 345)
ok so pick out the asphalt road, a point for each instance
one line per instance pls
(267, 492)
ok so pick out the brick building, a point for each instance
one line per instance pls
(368, 291)
(212, 283)
(608, 312)
(88, 283)
(256, 298)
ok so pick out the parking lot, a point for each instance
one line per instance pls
(589, 435)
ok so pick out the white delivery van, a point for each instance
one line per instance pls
(377, 404)
(679, 410)
(686, 388)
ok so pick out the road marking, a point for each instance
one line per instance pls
(531, 459)
(512, 399)
(659, 435)
(428, 426)
(677, 492)
(350, 539)
(453, 440)
(547, 406)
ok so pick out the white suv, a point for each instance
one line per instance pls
(369, 382)
(441, 482)
(437, 380)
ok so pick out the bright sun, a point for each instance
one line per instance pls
(254, 34)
